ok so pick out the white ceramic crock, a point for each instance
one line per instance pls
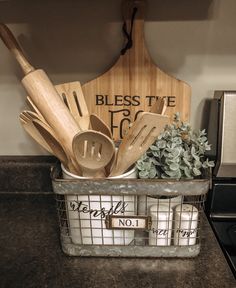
(89, 228)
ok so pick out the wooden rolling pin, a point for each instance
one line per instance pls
(42, 92)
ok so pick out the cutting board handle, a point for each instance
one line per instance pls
(129, 5)
(12, 44)
(134, 23)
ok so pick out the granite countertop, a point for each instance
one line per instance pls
(31, 255)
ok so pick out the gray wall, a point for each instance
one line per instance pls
(194, 41)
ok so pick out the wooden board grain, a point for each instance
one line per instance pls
(134, 83)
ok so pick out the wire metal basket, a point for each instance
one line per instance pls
(130, 217)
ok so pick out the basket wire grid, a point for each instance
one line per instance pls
(130, 217)
(83, 219)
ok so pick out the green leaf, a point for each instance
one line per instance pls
(196, 157)
(211, 164)
(187, 172)
(155, 162)
(156, 154)
(196, 172)
(172, 174)
(187, 162)
(161, 144)
(143, 174)
(176, 152)
(154, 148)
(174, 166)
(193, 151)
(197, 164)
(152, 173)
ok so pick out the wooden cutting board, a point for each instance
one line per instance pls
(134, 82)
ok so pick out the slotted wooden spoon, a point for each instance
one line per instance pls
(140, 136)
(72, 95)
(93, 151)
(99, 125)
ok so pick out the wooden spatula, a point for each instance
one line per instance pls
(72, 95)
(140, 136)
(159, 106)
(134, 82)
(93, 151)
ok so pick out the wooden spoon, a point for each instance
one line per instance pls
(99, 125)
(34, 107)
(33, 132)
(140, 136)
(48, 135)
(93, 151)
(33, 115)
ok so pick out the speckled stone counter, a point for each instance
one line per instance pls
(31, 255)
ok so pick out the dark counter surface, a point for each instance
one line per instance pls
(31, 256)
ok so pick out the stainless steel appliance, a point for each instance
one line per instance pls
(221, 202)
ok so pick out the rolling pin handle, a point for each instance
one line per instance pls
(12, 44)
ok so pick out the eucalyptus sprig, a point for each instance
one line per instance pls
(178, 152)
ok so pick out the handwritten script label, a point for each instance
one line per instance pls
(186, 233)
(160, 232)
(82, 207)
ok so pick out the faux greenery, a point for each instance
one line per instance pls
(179, 152)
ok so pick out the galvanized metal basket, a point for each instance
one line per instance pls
(129, 217)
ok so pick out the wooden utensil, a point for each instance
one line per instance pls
(72, 95)
(43, 94)
(159, 106)
(99, 125)
(93, 151)
(141, 135)
(33, 106)
(134, 82)
(33, 115)
(51, 140)
(33, 132)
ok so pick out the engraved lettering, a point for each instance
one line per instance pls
(99, 100)
(118, 100)
(136, 100)
(151, 100)
(171, 101)
(125, 113)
